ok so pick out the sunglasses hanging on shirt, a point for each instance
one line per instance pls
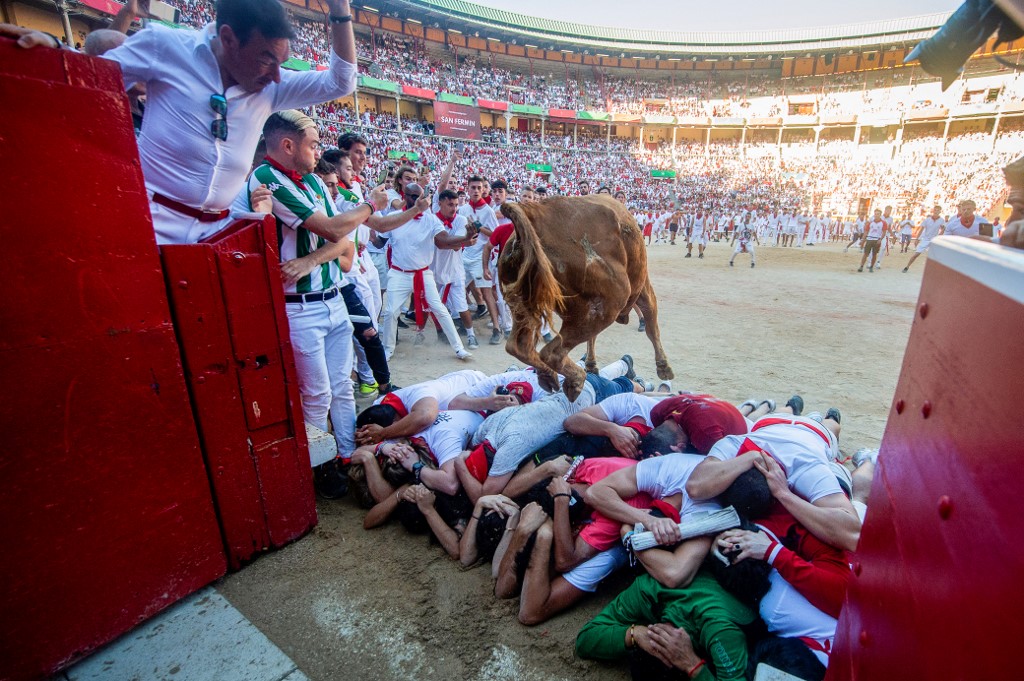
(219, 125)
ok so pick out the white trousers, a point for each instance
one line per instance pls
(321, 336)
(399, 288)
(504, 313)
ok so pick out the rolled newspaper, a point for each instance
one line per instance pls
(693, 525)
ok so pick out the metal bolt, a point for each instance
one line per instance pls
(924, 310)
(899, 406)
(200, 379)
(863, 637)
(183, 284)
(945, 507)
(926, 409)
(238, 257)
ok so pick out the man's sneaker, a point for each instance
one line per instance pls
(688, 255)
(665, 387)
(495, 337)
(472, 343)
(871, 269)
(645, 384)
(815, 416)
(420, 338)
(512, 367)
(410, 315)
(834, 414)
(643, 325)
(463, 354)
(628, 359)
(865, 454)
(368, 388)
(481, 312)
(796, 403)
(860, 269)
(388, 388)
(905, 270)
(402, 324)
(730, 264)
(331, 479)
(700, 257)
(751, 265)
(441, 338)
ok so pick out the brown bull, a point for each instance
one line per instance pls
(584, 258)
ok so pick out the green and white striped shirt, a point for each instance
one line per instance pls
(293, 205)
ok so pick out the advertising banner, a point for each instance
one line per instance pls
(457, 120)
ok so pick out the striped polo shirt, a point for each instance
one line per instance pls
(293, 205)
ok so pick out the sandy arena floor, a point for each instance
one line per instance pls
(345, 603)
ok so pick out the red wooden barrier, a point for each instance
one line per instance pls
(230, 317)
(937, 591)
(106, 506)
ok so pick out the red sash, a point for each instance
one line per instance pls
(419, 291)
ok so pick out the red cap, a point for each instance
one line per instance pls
(522, 390)
(476, 462)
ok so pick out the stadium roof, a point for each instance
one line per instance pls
(503, 24)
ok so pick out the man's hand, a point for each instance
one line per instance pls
(498, 402)
(378, 197)
(423, 203)
(362, 456)
(293, 270)
(404, 455)
(262, 200)
(626, 441)
(777, 483)
(642, 636)
(749, 544)
(666, 530)
(423, 497)
(27, 38)
(138, 8)
(672, 646)
(487, 272)
(498, 503)
(559, 486)
(557, 467)
(369, 434)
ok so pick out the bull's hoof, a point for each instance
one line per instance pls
(572, 386)
(665, 372)
(592, 367)
(548, 380)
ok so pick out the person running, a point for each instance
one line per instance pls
(931, 227)
(876, 232)
(741, 238)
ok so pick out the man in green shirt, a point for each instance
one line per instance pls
(697, 629)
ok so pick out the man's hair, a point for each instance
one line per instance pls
(541, 190)
(399, 171)
(967, 202)
(499, 184)
(474, 178)
(660, 440)
(324, 168)
(245, 16)
(489, 531)
(462, 192)
(539, 493)
(447, 194)
(382, 415)
(749, 494)
(747, 580)
(347, 140)
(334, 156)
(285, 123)
(102, 40)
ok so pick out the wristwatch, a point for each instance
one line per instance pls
(417, 468)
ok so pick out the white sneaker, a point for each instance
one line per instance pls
(665, 387)
(472, 343)
(420, 338)
(463, 354)
(865, 454)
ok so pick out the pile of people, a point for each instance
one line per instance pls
(734, 521)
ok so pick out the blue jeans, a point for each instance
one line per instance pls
(604, 388)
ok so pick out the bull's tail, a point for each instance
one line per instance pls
(534, 285)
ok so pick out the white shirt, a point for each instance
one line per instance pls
(875, 229)
(663, 476)
(412, 244)
(450, 433)
(930, 228)
(485, 216)
(447, 266)
(625, 407)
(180, 157)
(956, 228)
(442, 389)
(488, 385)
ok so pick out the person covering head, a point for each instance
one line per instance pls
(521, 390)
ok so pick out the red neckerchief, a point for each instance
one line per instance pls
(487, 200)
(475, 204)
(346, 186)
(356, 178)
(447, 221)
(290, 174)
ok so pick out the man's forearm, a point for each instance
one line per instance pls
(341, 33)
(712, 477)
(608, 502)
(835, 526)
(391, 222)
(582, 423)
